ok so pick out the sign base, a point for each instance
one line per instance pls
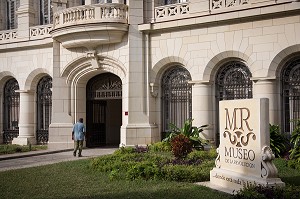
(233, 181)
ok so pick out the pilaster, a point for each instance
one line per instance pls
(266, 87)
(26, 119)
(59, 5)
(137, 128)
(61, 125)
(26, 14)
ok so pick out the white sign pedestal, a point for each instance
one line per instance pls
(244, 155)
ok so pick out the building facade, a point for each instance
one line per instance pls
(131, 67)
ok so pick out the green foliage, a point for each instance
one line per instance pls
(160, 147)
(266, 192)
(190, 131)
(13, 148)
(211, 154)
(156, 165)
(295, 141)
(294, 164)
(143, 170)
(181, 146)
(277, 140)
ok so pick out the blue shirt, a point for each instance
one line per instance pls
(79, 131)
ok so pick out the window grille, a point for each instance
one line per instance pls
(11, 106)
(232, 82)
(176, 97)
(11, 13)
(46, 13)
(107, 86)
(44, 109)
(290, 92)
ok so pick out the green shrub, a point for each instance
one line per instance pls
(266, 192)
(295, 141)
(155, 165)
(160, 147)
(294, 164)
(181, 146)
(124, 150)
(183, 173)
(278, 141)
(143, 170)
(203, 155)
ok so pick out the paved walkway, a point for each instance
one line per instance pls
(38, 158)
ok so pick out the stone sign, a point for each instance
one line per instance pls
(244, 153)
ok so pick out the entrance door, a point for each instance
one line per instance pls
(103, 110)
(96, 119)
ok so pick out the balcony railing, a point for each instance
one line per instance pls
(35, 32)
(182, 10)
(221, 4)
(171, 11)
(112, 12)
(8, 35)
(40, 32)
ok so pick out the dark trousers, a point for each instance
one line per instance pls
(78, 145)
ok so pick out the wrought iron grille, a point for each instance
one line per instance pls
(11, 106)
(290, 79)
(176, 97)
(104, 86)
(233, 82)
(44, 109)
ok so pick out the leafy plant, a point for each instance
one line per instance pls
(277, 140)
(295, 141)
(181, 146)
(254, 191)
(189, 131)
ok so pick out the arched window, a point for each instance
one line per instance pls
(46, 14)
(44, 109)
(176, 97)
(11, 15)
(290, 92)
(233, 82)
(11, 106)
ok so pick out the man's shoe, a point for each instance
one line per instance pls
(79, 155)
(74, 154)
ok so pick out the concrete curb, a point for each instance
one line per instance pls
(30, 154)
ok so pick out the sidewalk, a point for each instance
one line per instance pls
(44, 157)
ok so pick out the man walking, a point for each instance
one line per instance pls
(78, 134)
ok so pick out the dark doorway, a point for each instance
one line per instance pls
(104, 110)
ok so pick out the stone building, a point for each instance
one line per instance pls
(129, 68)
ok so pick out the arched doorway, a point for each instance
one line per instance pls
(290, 92)
(232, 82)
(11, 106)
(103, 110)
(176, 97)
(44, 109)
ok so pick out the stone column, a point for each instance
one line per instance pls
(26, 119)
(266, 87)
(60, 129)
(25, 15)
(202, 107)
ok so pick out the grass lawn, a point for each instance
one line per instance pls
(76, 180)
